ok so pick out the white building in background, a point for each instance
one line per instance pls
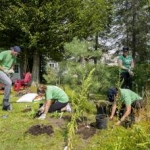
(53, 65)
(17, 74)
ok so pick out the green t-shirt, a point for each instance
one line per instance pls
(56, 93)
(128, 96)
(7, 59)
(126, 61)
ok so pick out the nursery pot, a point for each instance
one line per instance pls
(101, 121)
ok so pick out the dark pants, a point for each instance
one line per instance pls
(126, 78)
(138, 104)
(57, 106)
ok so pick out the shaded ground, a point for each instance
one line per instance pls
(40, 129)
(85, 130)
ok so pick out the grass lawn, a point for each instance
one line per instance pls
(15, 124)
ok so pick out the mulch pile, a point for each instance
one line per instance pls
(40, 129)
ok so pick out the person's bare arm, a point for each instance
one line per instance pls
(126, 114)
(113, 109)
(132, 64)
(47, 105)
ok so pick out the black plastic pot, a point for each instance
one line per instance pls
(101, 121)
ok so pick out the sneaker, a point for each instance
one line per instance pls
(42, 117)
(68, 108)
(7, 108)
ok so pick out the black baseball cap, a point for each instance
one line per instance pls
(125, 49)
(16, 49)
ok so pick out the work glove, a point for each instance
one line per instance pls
(42, 117)
(42, 109)
(131, 72)
(68, 108)
(11, 71)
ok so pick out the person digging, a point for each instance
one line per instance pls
(129, 100)
(55, 100)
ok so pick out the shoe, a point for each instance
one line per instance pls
(68, 108)
(7, 108)
(6, 105)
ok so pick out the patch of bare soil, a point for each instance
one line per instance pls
(85, 130)
(58, 122)
(40, 129)
(67, 117)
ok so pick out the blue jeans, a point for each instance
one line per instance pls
(5, 79)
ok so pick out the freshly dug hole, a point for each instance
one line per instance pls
(40, 129)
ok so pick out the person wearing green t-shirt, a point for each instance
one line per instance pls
(56, 99)
(126, 64)
(7, 62)
(129, 99)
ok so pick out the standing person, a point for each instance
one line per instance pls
(126, 64)
(129, 99)
(7, 62)
(56, 99)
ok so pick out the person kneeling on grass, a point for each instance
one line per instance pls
(56, 99)
(130, 99)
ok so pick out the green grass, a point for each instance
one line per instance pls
(13, 134)
(13, 130)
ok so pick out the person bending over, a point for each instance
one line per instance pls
(130, 99)
(55, 99)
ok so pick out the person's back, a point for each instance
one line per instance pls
(128, 96)
(54, 92)
(55, 99)
(7, 59)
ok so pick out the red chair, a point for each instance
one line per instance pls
(23, 83)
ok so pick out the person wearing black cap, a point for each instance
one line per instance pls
(7, 62)
(130, 100)
(126, 64)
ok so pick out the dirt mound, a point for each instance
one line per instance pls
(40, 129)
(86, 131)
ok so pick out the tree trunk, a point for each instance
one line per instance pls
(35, 69)
(134, 28)
(96, 47)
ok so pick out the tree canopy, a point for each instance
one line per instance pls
(41, 27)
